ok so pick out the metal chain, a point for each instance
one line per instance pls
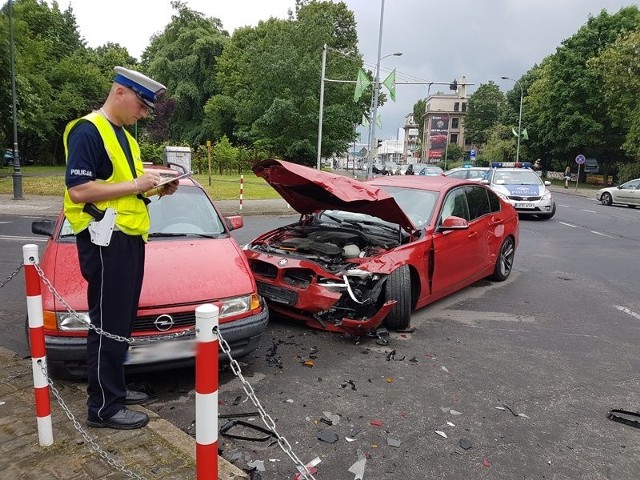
(94, 446)
(266, 418)
(13, 274)
(100, 331)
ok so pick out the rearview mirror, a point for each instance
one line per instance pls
(454, 223)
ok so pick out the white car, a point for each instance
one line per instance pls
(628, 194)
(475, 174)
(523, 188)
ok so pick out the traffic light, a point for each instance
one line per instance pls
(453, 85)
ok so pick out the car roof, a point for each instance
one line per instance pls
(436, 183)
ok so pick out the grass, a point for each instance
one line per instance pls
(49, 181)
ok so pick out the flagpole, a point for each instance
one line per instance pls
(324, 65)
(519, 116)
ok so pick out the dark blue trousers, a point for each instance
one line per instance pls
(114, 275)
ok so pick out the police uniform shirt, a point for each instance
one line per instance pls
(88, 159)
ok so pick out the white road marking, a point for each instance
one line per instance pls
(628, 312)
(590, 211)
(24, 239)
(568, 224)
(601, 234)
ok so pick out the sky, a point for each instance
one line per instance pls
(440, 41)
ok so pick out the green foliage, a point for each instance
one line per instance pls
(419, 109)
(483, 112)
(455, 153)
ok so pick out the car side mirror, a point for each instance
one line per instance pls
(547, 183)
(454, 223)
(234, 222)
(42, 227)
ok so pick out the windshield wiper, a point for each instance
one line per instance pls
(160, 234)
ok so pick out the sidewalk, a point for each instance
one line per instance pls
(34, 205)
(158, 451)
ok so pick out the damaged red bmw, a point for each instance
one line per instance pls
(366, 254)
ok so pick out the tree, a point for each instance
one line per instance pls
(483, 112)
(269, 79)
(419, 109)
(184, 57)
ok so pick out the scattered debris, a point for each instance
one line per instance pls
(334, 418)
(512, 412)
(624, 416)
(450, 424)
(454, 412)
(376, 423)
(441, 433)
(310, 467)
(358, 467)
(486, 463)
(224, 430)
(349, 382)
(444, 369)
(256, 464)
(389, 380)
(393, 442)
(465, 443)
(352, 435)
(308, 363)
(327, 436)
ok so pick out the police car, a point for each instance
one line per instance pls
(522, 187)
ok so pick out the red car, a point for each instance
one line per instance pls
(366, 254)
(191, 259)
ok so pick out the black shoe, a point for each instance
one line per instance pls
(123, 420)
(135, 398)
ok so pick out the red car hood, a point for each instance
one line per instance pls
(177, 272)
(309, 190)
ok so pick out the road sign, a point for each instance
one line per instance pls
(580, 159)
(472, 154)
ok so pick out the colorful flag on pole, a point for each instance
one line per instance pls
(361, 84)
(390, 83)
(365, 121)
(514, 131)
(525, 135)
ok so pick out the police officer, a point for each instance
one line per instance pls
(105, 175)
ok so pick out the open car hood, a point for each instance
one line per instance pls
(308, 190)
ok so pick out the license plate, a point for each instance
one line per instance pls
(524, 205)
(161, 351)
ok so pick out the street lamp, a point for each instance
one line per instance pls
(519, 116)
(17, 174)
(376, 94)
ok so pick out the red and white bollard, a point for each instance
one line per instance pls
(241, 190)
(36, 339)
(207, 392)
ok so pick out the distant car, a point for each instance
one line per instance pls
(7, 158)
(191, 259)
(476, 174)
(627, 194)
(364, 254)
(431, 171)
(523, 188)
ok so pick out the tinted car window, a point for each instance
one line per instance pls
(455, 205)
(478, 200)
(494, 201)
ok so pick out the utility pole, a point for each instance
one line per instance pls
(17, 174)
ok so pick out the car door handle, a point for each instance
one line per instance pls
(472, 234)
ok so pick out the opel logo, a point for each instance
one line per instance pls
(163, 322)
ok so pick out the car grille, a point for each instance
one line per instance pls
(277, 294)
(263, 269)
(180, 320)
(523, 199)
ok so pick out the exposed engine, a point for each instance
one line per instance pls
(333, 248)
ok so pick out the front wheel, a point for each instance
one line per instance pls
(504, 262)
(398, 287)
(606, 199)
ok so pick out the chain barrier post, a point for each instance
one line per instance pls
(241, 190)
(36, 340)
(207, 344)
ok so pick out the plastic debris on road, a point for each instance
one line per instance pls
(358, 467)
(327, 436)
(311, 468)
(441, 433)
(465, 443)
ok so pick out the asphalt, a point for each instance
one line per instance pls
(157, 451)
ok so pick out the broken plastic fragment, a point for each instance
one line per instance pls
(465, 443)
(454, 412)
(358, 467)
(257, 464)
(522, 415)
(445, 369)
(376, 423)
(333, 417)
(486, 463)
(392, 442)
(500, 408)
(327, 436)
(441, 433)
(308, 363)
(450, 424)
(389, 380)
